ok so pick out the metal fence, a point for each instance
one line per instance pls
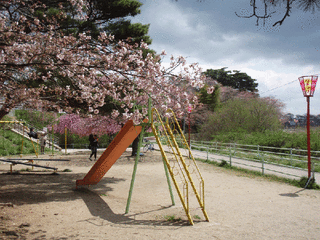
(287, 161)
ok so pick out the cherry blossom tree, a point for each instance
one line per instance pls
(84, 126)
(41, 67)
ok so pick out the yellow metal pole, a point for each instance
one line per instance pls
(184, 204)
(22, 141)
(52, 140)
(65, 138)
(201, 201)
(38, 148)
(31, 161)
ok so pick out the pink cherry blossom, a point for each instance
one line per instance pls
(97, 70)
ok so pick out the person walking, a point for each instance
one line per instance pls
(90, 140)
(43, 139)
(94, 146)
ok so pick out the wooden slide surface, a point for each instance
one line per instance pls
(119, 144)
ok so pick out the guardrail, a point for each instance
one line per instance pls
(23, 129)
(260, 157)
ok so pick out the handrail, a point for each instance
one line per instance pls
(285, 157)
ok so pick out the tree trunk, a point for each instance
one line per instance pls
(3, 113)
(135, 145)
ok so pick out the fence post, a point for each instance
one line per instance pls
(291, 156)
(230, 155)
(52, 141)
(65, 138)
(313, 171)
(262, 160)
(262, 164)
(207, 153)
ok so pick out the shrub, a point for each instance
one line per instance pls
(244, 116)
(311, 185)
(224, 164)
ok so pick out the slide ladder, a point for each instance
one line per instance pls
(182, 169)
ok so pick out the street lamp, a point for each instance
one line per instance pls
(189, 112)
(308, 86)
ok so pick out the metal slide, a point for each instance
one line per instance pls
(119, 144)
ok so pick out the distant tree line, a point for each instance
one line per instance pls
(290, 120)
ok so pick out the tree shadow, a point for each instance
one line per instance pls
(99, 208)
(29, 188)
(37, 187)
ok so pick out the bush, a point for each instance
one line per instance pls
(224, 164)
(311, 185)
(242, 116)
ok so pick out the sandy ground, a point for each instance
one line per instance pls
(40, 205)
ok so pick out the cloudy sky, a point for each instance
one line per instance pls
(209, 32)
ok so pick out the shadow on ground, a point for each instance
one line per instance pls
(29, 188)
(99, 208)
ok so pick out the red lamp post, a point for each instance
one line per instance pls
(308, 86)
(189, 112)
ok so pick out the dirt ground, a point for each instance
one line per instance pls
(42, 205)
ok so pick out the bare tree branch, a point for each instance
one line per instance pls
(288, 9)
(254, 12)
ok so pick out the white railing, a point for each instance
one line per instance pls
(259, 157)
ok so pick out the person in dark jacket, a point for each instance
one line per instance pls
(94, 146)
(90, 140)
(32, 133)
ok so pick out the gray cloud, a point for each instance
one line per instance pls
(210, 33)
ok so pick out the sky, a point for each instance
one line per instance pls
(209, 33)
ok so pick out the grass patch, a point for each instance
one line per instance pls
(172, 218)
(26, 170)
(224, 164)
(11, 144)
(304, 182)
